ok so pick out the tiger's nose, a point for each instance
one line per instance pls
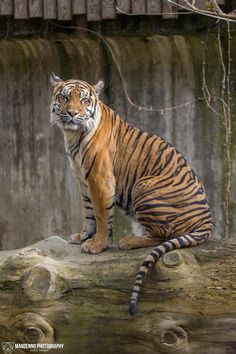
(72, 112)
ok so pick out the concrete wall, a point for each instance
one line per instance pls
(38, 194)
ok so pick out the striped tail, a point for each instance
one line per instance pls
(193, 239)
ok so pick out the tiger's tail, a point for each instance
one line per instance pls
(193, 239)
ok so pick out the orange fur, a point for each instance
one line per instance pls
(117, 163)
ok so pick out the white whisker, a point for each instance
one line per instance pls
(54, 121)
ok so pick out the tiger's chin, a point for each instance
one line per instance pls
(84, 127)
(73, 127)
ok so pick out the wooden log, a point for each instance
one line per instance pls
(51, 292)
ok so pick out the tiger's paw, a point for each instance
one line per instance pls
(75, 238)
(93, 246)
(126, 243)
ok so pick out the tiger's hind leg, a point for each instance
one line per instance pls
(157, 228)
(130, 242)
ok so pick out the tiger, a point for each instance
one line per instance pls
(117, 163)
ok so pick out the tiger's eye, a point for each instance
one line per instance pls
(86, 101)
(62, 99)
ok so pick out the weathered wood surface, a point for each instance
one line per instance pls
(6, 7)
(78, 7)
(138, 7)
(95, 10)
(35, 8)
(154, 6)
(50, 9)
(64, 10)
(20, 9)
(169, 10)
(50, 292)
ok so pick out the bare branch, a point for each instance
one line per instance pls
(220, 15)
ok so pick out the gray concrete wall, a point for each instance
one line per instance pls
(38, 194)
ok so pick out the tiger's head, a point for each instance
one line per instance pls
(75, 104)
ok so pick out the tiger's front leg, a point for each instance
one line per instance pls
(89, 226)
(102, 191)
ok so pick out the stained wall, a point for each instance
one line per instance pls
(38, 194)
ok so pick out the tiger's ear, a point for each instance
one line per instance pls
(55, 80)
(99, 86)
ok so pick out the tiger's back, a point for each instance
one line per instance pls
(146, 165)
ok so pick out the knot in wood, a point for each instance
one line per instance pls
(172, 259)
(173, 340)
(32, 328)
(169, 338)
(33, 335)
(37, 282)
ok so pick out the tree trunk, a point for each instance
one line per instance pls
(52, 293)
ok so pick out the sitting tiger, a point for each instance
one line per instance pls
(115, 162)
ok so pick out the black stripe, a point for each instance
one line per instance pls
(149, 192)
(75, 149)
(147, 159)
(90, 217)
(128, 127)
(167, 246)
(147, 264)
(188, 240)
(139, 277)
(89, 141)
(86, 198)
(181, 242)
(204, 211)
(159, 251)
(141, 273)
(182, 179)
(193, 226)
(111, 206)
(88, 207)
(160, 153)
(154, 221)
(154, 255)
(91, 166)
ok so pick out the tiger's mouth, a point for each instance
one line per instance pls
(76, 123)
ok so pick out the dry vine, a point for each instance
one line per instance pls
(226, 114)
(212, 9)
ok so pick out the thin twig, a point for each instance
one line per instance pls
(193, 8)
(227, 116)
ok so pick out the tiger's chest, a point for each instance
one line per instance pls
(75, 156)
(78, 171)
